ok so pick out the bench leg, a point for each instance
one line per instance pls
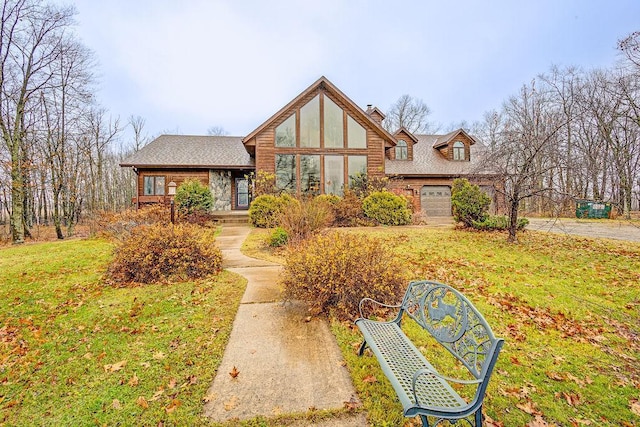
(362, 347)
(479, 417)
(425, 420)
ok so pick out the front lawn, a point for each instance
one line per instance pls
(74, 351)
(568, 308)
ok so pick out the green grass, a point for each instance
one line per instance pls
(568, 308)
(74, 351)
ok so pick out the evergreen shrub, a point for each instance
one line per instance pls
(387, 208)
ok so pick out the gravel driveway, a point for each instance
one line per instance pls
(618, 229)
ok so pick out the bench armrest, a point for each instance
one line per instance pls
(363, 300)
(427, 371)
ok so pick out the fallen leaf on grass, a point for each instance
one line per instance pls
(172, 383)
(158, 355)
(175, 404)
(490, 422)
(134, 381)
(234, 372)
(529, 407)
(538, 421)
(573, 399)
(142, 402)
(115, 367)
(157, 395)
(369, 379)
(116, 404)
(635, 406)
(352, 404)
(555, 376)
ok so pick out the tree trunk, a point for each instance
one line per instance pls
(513, 221)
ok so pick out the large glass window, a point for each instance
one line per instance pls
(310, 174)
(286, 172)
(356, 134)
(401, 150)
(357, 166)
(334, 175)
(458, 151)
(154, 185)
(286, 133)
(333, 125)
(310, 123)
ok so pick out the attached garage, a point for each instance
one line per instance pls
(435, 200)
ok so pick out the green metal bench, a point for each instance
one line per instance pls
(454, 323)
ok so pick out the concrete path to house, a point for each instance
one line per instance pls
(606, 228)
(285, 361)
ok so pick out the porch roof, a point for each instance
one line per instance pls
(189, 151)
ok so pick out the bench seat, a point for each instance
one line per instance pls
(400, 360)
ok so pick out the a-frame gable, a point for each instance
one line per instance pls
(320, 84)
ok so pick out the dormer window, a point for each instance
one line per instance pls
(458, 151)
(401, 150)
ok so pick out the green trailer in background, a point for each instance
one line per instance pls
(592, 209)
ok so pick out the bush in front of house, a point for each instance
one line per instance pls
(303, 219)
(333, 271)
(193, 197)
(118, 225)
(498, 223)
(469, 203)
(278, 237)
(386, 208)
(265, 210)
(160, 253)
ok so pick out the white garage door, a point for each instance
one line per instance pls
(435, 200)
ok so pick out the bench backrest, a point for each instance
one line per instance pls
(454, 322)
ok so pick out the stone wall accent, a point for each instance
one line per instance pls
(220, 186)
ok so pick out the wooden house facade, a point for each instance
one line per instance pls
(316, 144)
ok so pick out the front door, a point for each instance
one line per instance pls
(242, 193)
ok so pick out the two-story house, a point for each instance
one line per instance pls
(315, 144)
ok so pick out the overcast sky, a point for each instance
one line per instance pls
(188, 65)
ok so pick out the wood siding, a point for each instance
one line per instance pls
(176, 175)
(265, 140)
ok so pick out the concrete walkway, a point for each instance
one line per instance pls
(286, 362)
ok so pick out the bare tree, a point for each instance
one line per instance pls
(410, 113)
(217, 131)
(30, 36)
(630, 47)
(520, 153)
(140, 139)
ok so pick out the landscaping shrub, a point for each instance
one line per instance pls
(264, 183)
(265, 209)
(159, 253)
(333, 271)
(278, 237)
(468, 202)
(499, 222)
(387, 208)
(119, 225)
(303, 219)
(363, 185)
(348, 211)
(193, 197)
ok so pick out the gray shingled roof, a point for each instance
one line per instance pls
(428, 161)
(192, 151)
